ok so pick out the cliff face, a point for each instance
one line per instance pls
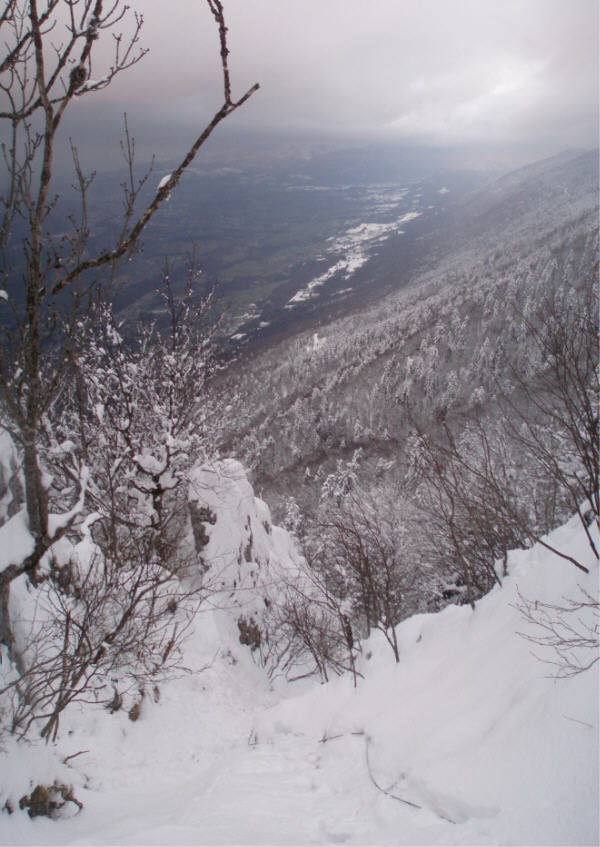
(247, 562)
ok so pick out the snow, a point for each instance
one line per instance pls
(352, 262)
(353, 246)
(163, 182)
(16, 542)
(315, 344)
(56, 522)
(469, 727)
(149, 463)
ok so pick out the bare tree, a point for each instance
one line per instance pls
(103, 628)
(478, 495)
(309, 623)
(139, 416)
(49, 281)
(118, 426)
(361, 548)
(552, 413)
(507, 482)
(118, 605)
(570, 628)
(465, 490)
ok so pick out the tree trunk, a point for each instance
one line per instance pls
(36, 496)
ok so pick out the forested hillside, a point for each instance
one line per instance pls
(457, 375)
(441, 350)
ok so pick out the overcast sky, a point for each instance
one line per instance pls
(440, 72)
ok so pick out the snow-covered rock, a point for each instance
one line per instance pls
(247, 560)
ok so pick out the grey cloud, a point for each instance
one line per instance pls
(440, 71)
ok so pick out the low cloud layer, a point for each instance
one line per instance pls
(433, 71)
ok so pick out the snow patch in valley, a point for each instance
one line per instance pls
(354, 246)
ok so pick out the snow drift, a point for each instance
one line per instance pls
(470, 739)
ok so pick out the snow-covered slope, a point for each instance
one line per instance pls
(466, 741)
(469, 725)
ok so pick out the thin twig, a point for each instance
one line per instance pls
(376, 784)
(73, 755)
(576, 720)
